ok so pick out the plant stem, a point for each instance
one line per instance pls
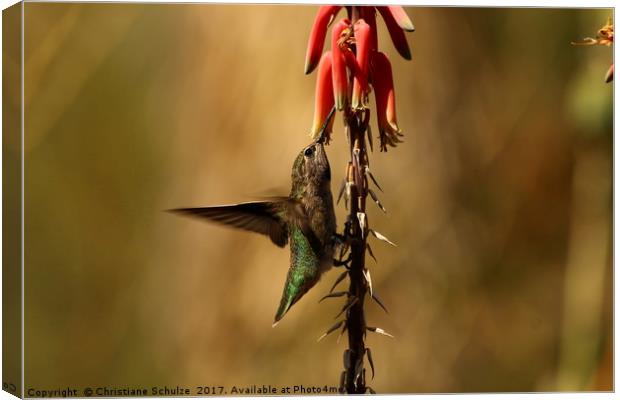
(355, 380)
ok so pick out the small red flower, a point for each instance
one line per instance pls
(401, 17)
(396, 32)
(363, 44)
(351, 63)
(354, 62)
(383, 85)
(339, 71)
(323, 97)
(317, 35)
(369, 15)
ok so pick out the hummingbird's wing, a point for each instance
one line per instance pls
(264, 217)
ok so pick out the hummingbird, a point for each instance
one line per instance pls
(305, 220)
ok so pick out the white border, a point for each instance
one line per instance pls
(480, 3)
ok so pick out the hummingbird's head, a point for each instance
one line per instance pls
(311, 168)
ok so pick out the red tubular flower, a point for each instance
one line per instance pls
(317, 36)
(351, 63)
(339, 71)
(396, 32)
(323, 97)
(383, 85)
(401, 17)
(354, 63)
(363, 44)
(369, 15)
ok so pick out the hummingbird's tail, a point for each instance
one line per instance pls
(285, 305)
(298, 282)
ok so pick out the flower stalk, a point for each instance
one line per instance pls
(347, 74)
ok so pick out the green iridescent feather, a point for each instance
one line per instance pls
(302, 274)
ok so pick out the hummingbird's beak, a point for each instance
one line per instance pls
(321, 138)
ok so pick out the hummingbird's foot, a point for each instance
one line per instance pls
(341, 244)
(339, 239)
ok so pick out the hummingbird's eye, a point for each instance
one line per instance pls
(309, 151)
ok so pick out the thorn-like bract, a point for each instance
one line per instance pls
(366, 273)
(338, 280)
(330, 330)
(373, 179)
(370, 252)
(361, 217)
(372, 365)
(378, 300)
(335, 294)
(379, 331)
(381, 237)
(347, 194)
(341, 191)
(376, 200)
(352, 300)
(344, 329)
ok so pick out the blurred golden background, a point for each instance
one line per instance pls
(500, 200)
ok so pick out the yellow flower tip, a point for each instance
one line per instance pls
(400, 16)
(309, 66)
(395, 129)
(395, 29)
